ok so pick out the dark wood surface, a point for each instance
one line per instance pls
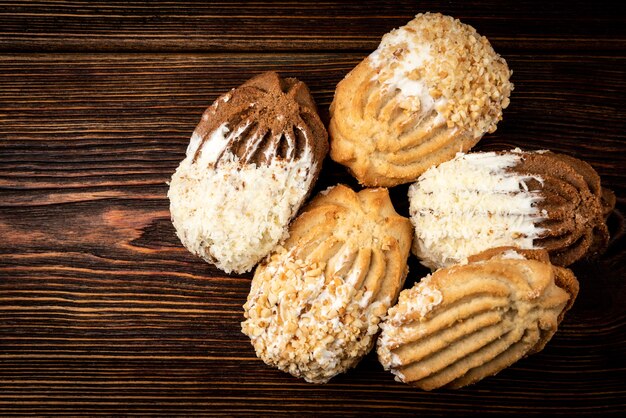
(102, 311)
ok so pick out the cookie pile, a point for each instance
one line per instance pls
(497, 228)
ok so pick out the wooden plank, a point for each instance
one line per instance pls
(102, 311)
(95, 123)
(244, 26)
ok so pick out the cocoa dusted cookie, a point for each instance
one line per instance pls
(526, 199)
(315, 305)
(251, 162)
(432, 88)
(467, 322)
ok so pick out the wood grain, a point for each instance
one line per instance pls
(302, 26)
(102, 125)
(103, 312)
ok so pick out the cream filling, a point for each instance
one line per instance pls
(404, 73)
(235, 214)
(470, 204)
(512, 255)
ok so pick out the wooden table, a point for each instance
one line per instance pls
(102, 311)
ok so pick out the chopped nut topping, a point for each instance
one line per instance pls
(455, 63)
(307, 323)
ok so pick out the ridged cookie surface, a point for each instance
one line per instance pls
(315, 305)
(250, 164)
(431, 89)
(526, 199)
(464, 323)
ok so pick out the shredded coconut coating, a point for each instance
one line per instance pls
(307, 323)
(467, 80)
(234, 215)
(471, 203)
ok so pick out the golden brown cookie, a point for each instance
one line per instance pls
(525, 199)
(433, 88)
(250, 164)
(563, 277)
(315, 305)
(467, 322)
